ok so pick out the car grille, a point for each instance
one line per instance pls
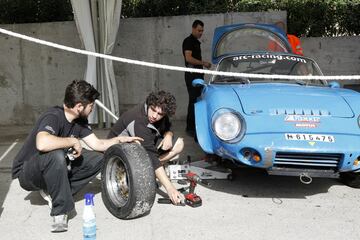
(299, 111)
(307, 160)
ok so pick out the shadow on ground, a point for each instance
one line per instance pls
(256, 183)
(8, 134)
(93, 187)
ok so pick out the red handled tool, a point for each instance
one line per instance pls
(191, 198)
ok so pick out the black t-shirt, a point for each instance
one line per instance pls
(192, 44)
(54, 122)
(134, 122)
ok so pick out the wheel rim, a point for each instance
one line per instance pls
(117, 181)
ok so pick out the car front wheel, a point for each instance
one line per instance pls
(351, 179)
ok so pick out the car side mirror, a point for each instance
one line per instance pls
(334, 84)
(198, 82)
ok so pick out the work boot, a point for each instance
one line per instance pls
(46, 197)
(60, 223)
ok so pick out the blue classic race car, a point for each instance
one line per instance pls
(305, 128)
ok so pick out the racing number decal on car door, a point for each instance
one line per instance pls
(309, 137)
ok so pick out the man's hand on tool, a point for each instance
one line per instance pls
(175, 196)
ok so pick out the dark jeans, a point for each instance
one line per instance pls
(194, 93)
(49, 172)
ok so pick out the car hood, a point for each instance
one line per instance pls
(290, 99)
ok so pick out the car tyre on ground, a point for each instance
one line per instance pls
(351, 179)
(128, 181)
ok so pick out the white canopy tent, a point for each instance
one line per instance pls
(98, 23)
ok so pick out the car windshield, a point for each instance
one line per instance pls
(268, 63)
(249, 39)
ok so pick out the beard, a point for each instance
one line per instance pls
(83, 116)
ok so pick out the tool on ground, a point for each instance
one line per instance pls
(191, 198)
(168, 201)
(205, 169)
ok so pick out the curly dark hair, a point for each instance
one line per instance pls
(165, 100)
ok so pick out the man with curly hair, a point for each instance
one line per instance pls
(150, 121)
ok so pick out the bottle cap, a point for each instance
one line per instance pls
(89, 199)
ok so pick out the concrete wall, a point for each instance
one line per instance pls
(33, 77)
(335, 56)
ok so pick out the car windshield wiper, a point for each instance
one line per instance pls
(232, 80)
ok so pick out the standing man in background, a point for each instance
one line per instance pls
(192, 55)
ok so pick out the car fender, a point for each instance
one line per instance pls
(202, 127)
(353, 100)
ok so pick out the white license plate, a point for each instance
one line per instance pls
(309, 137)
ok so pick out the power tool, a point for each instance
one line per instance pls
(191, 198)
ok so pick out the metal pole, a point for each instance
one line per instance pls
(100, 104)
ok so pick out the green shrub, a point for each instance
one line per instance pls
(310, 18)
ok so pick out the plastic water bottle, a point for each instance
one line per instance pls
(89, 222)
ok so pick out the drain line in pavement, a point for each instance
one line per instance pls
(9, 149)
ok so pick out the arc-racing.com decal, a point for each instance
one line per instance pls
(269, 56)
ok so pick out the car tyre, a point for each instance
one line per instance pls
(128, 181)
(351, 179)
(230, 177)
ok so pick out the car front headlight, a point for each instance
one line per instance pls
(228, 125)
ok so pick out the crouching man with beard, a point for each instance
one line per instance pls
(41, 163)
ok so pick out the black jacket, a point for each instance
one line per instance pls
(134, 122)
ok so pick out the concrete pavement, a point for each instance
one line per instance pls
(252, 206)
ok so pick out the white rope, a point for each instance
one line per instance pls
(175, 68)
